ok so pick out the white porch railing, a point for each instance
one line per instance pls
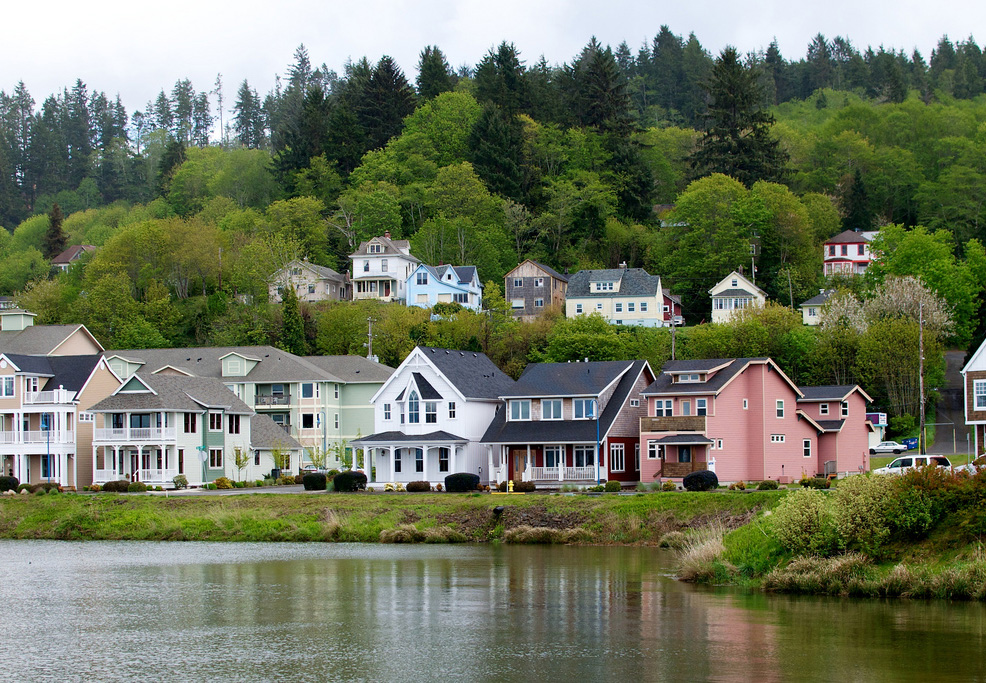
(154, 434)
(580, 473)
(544, 474)
(36, 437)
(148, 476)
(53, 396)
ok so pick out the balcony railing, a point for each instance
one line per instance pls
(54, 396)
(277, 400)
(133, 434)
(38, 437)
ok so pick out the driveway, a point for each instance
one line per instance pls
(950, 430)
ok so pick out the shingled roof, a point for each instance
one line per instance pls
(471, 372)
(39, 339)
(663, 385)
(68, 372)
(173, 393)
(265, 434)
(851, 237)
(633, 282)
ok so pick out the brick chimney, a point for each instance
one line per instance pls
(387, 234)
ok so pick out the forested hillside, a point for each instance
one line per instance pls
(669, 157)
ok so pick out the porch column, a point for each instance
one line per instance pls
(424, 461)
(453, 452)
(561, 462)
(489, 460)
(527, 465)
(393, 463)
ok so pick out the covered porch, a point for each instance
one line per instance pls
(558, 464)
(155, 465)
(395, 457)
(679, 455)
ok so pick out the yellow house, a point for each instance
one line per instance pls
(623, 296)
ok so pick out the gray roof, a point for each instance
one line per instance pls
(275, 365)
(36, 339)
(547, 269)
(831, 425)
(352, 369)
(69, 372)
(321, 271)
(428, 392)
(819, 298)
(848, 237)
(836, 392)
(265, 434)
(464, 275)
(733, 292)
(471, 372)
(664, 386)
(567, 431)
(72, 253)
(683, 440)
(398, 438)
(175, 393)
(390, 248)
(567, 379)
(633, 282)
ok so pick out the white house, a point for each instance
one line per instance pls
(430, 416)
(381, 267)
(811, 310)
(734, 292)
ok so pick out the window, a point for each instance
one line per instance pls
(780, 408)
(701, 406)
(599, 306)
(256, 458)
(516, 303)
(375, 249)
(443, 459)
(806, 445)
(823, 408)
(233, 423)
(719, 444)
(979, 390)
(684, 453)
(277, 390)
(422, 278)
(460, 297)
(776, 438)
(7, 388)
(539, 282)
(845, 409)
(86, 417)
(215, 422)
(636, 456)
(412, 408)
(617, 461)
(190, 420)
(397, 460)
(307, 390)
(578, 309)
(831, 250)
(551, 409)
(643, 306)
(451, 410)
(520, 410)
(746, 404)
(308, 420)
(419, 460)
(431, 412)
(845, 249)
(585, 408)
(753, 249)
(386, 411)
(366, 266)
(539, 303)
(686, 407)
(383, 265)
(553, 456)
(585, 456)
(31, 385)
(401, 408)
(604, 286)
(662, 408)
(735, 282)
(336, 421)
(812, 312)
(634, 402)
(311, 289)
(518, 282)
(630, 307)
(215, 458)
(336, 392)
(654, 450)
(619, 308)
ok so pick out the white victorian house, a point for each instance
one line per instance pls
(381, 267)
(430, 416)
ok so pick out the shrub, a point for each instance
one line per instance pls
(285, 481)
(404, 533)
(43, 487)
(261, 482)
(418, 487)
(675, 540)
(862, 505)
(23, 487)
(299, 479)
(180, 481)
(95, 488)
(158, 488)
(116, 486)
(8, 484)
(332, 473)
(502, 487)
(738, 486)
(702, 480)
(613, 486)
(350, 481)
(315, 481)
(223, 483)
(239, 484)
(669, 486)
(543, 534)
(211, 486)
(767, 485)
(525, 487)
(802, 523)
(136, 487)
(462, 482)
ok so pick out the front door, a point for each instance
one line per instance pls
(386, 289)
(517, 464)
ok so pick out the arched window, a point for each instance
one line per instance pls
(412, 407)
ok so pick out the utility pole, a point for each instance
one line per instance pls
(369, 338)
(790, 289)
(674, 328)
(921, 439)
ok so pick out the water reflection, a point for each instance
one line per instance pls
(136, 611)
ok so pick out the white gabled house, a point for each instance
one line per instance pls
(734, 293)
(430, 416)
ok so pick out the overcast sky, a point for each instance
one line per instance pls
(135, 49)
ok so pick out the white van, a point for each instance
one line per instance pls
(910, 462)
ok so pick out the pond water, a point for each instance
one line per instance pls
(123, 611)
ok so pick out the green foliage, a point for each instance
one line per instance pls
(314, 481)
(8, 483)
(223, 483)
(767, 485)
(349, 481)
(613, 486)
(702, 480)
(461, 482)
(136, 487)
(418, 487)
(862, 509)
(803, 523)
(180, 481)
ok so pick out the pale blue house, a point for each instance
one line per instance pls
(430, 285)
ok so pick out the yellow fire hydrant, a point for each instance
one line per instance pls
(510, 486)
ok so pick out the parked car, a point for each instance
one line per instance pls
(910, 462)
(888, 447)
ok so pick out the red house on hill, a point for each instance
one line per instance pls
(848, 253)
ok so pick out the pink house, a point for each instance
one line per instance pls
(746, 420)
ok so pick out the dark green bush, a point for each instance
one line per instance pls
(44, 487)
(8, 484)
(239, 484)
(462, 482)
(502, 487)
(23, 487)
(211, 486)
(314, 481)
(136, 487)
(613, 486)
(418, 487)
(116, 486)
(332, 473)
(525, 487)
(350, 481)
(767, 485)
(703, 480)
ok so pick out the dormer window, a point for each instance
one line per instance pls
(413, 416)
(604, 286)
(691, 377)
(375, 248)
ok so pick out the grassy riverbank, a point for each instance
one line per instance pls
(608, 518)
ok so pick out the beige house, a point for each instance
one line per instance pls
(311, 283)
(623, 296)
(533, 287)
(734, 292)
(19, 334)
(811, 310)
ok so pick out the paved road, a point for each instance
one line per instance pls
(950, 437)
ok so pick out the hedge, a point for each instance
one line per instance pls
(461, 482)
(8, 484)
(703, 480)
(350, 481)
(315, 481)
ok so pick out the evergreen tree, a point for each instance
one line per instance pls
(174, 156)
(496, 150)
(54, 241)
(385, 102)
(435, 76)
(292, 326)
(345, 141)
(500, 79)
(248, 117)
(737, 138)
(856, 211)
